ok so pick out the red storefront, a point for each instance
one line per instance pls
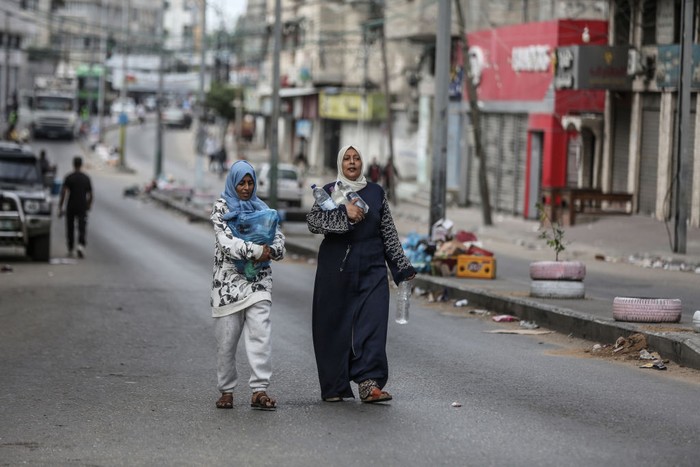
(514, 70)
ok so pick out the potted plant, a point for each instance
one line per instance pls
(558, 278)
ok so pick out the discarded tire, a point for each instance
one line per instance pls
(647, 310)
(557, 289)
(558, 270)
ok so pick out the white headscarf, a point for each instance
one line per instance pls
(355, 185)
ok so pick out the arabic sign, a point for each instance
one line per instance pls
(592, 67)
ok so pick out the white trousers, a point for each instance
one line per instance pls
(254, 323)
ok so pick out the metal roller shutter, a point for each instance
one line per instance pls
(621, 144)
(648, 167)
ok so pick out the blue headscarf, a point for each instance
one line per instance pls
(236, 205)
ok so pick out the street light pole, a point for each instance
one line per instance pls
(442, 65)
(199, 140)
(101, 86)
(683, 151)
(274, 145)
(158, 169)
(122, 92)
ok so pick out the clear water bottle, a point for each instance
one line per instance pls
(322, 198)
(403, 302)
(351, 195)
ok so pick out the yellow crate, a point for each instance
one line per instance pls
(477, 267)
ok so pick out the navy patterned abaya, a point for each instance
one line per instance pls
(351, 292)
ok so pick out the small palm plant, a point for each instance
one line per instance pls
(551, 232)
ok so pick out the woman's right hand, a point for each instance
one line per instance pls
(355, 214)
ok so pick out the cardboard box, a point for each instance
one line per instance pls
(476, 267)
(445, 267)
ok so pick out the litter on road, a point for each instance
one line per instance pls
(530, 332)
(505, 318)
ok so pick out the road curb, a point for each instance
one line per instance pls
(675, 346)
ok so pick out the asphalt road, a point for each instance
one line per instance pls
(110, 361)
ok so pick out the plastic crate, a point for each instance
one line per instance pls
(476, 267)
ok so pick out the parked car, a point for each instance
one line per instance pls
(289, 183)
(173, 116)
(25, 202)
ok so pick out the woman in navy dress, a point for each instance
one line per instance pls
(351, 290)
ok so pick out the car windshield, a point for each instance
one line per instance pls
(54, 103)
(284, 174)
(15, 170)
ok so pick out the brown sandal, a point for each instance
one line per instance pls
(225, 401)
(261, 401)
(377, 395)
(371, 392)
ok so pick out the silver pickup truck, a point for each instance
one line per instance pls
(25, 202)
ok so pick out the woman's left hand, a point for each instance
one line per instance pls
(413, 276)
(265, 256)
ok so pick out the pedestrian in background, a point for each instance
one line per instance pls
(240, 302)
(351, 290)
(390, 176)
(375, 171)
(76, 193)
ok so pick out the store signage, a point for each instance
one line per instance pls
(592, 67)
(668, 66)
(532, 58)
(351, 106)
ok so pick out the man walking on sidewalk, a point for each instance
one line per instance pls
(78, 188)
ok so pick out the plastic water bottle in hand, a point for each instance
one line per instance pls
(403, 302)
(322, 198)
(351, 195)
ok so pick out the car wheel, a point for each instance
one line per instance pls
(647, 310)
(39, 248)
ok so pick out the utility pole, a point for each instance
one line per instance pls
(101, 88)
(201, 130)
(387, 103)
(442, 65)
(123, 118)
(683, 151)
(6, 92)
(158, 169)
(361, 114)
(274, 145)
(475, 120)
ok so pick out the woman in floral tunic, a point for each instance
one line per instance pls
(241, 290)
(351, 290)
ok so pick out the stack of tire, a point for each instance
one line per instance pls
(557, 279)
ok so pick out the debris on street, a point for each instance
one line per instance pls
(505, 318)
(526, 332)
(529, 325)
(63, 261)
(6, 268)
(644, 354)
(456, 404)
(657, 365)
(632, 344)
(461, 303)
